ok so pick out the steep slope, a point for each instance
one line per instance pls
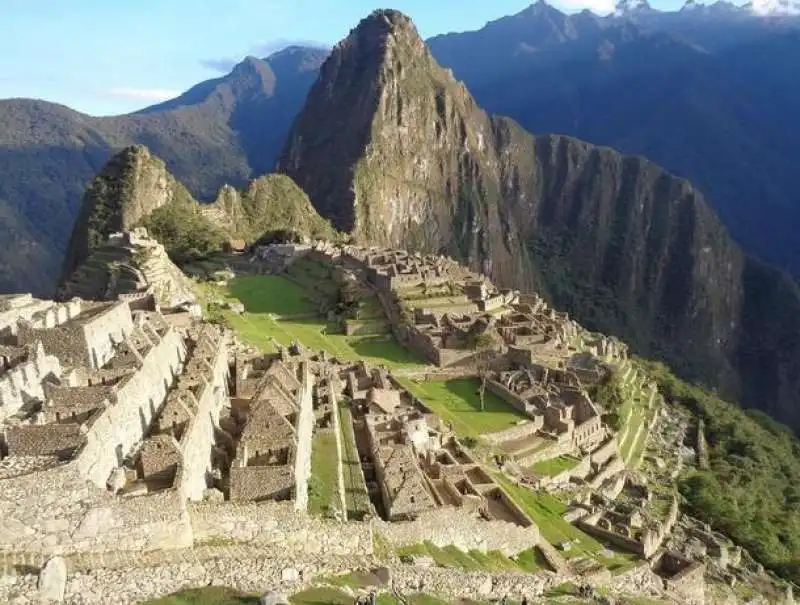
(135, 189)
(222, 131)
(623, 245)
(697, 109)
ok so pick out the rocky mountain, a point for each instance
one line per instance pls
(689, 92)
(625, 246)
(225, 130)
(135, 189)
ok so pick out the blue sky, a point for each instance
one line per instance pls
(106, 57)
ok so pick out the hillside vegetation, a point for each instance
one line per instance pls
(751, 490)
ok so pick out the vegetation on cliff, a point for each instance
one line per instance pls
(751, 490)
(271, 204)
(186, 234)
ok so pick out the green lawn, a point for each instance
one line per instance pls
(334, 596)
(322, 487)
(279, 308)
(555, 466)
(458, 402)
(271, 294)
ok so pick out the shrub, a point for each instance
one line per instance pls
(186, 235)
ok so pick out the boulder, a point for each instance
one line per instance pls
(53, 580)
(273, 597)
(290, 574)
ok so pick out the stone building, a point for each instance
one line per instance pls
(556, 403)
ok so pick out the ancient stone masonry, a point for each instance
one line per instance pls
(129, 265)
(178, 451)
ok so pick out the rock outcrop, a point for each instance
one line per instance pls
(269, 203)
(627, 248)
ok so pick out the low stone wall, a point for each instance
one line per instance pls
(616, 539)
(277, 524)
(506, 395)
(520, 431)
(448, 526)
(479, 586)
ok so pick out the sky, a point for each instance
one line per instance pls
(106, 57)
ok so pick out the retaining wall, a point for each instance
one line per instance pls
(278, 525)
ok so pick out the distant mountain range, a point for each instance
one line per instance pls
(710, 93)
(225, 130)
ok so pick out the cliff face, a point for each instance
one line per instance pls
(395, 151)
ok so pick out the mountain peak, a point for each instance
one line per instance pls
(253, 67)
(632, 7)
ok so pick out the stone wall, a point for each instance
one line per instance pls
(450, 526)
(473, 585)
(137, 401)
(196, 444)
(56, 511)
(277, 524)
(305, 433)
(337, 431)
(102, 331)
(88, 340)
(23, 382)
(519, 431)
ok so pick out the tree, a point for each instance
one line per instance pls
(483, 345)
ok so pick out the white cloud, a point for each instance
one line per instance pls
(143, 94)
(601, 7)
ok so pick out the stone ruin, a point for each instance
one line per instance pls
(130, 264)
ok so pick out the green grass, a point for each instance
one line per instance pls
(211, 595)
(271, 294)
(458, 402)
(322, 488)
(546, 511)
(637, 417)
(555, 466)
(355, 492)
(265, 296)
